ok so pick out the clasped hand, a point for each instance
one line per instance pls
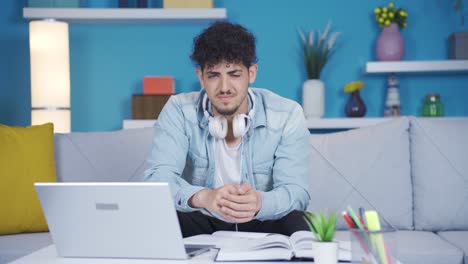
(237, 203)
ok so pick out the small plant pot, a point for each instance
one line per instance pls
(325, 252)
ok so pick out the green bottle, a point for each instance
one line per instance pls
(432, 106)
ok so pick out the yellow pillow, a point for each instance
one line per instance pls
(26, 156)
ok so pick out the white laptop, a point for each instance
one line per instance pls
(114, 220)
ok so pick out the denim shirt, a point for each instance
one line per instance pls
(275, 152)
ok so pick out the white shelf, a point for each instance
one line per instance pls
(319, 123)
(344, 123)
(417, 66)
(126, 15)
(312, 123)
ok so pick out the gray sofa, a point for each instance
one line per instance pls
(414, 171)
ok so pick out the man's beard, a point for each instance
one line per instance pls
(227, 112)
(233, 110)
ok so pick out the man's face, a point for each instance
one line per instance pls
(226, 85)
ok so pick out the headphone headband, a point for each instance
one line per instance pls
(218, 126)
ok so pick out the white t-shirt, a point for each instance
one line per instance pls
(227, 167)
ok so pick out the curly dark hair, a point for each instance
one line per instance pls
(224, 41)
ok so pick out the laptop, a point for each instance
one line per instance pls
(114, 220)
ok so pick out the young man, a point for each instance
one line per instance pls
(236, 158)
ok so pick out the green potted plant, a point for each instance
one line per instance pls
(317, 49)
(323, 226)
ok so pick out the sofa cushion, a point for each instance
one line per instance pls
(26, 156)
(426, 247)
(459, 239)
(366, 167)
(440, 173)
(16, 246)
(415, 247)
(117, 156)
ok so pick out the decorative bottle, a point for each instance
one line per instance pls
(392, 104)
(432, 106)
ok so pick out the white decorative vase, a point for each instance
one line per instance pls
(313, 98)
(325, 252)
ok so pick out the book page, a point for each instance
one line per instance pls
(270, 241)
(265, 247)
(224, 239)
(303, 242)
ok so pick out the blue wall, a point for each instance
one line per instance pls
(108, 62)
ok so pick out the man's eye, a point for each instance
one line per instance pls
(236, 75)
(212, 76)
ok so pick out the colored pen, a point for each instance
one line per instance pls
(361, 217)
(355, 218)
(348, 220)
(351, 225)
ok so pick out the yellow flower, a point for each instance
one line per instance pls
(387, 23)
(377, 11)
(391, 15)
(381, 20)
(384, 10)
(391, 5)
(353, 86)
(403, 13)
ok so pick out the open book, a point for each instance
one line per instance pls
(248, 246)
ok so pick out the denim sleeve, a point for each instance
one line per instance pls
(290, 171)
(168, 155)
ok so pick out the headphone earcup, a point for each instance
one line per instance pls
(218, 127)
(240, 125)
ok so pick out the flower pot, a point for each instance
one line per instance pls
(325, 252)
(313, 98)
(390, 45)
(355, 106)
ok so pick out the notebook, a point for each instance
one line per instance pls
(114, 220)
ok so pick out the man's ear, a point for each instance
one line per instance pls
(253, 72)
(199, 73)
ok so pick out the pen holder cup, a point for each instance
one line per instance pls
(373, 247)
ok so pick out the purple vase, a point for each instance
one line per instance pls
(355, 106)
(390, 45)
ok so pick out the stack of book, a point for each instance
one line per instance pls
(187, 3)
(156, 92)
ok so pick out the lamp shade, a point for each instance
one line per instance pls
(50, 74)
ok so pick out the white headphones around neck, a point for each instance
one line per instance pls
(218, 125)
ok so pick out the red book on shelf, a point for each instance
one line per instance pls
(158, 85)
